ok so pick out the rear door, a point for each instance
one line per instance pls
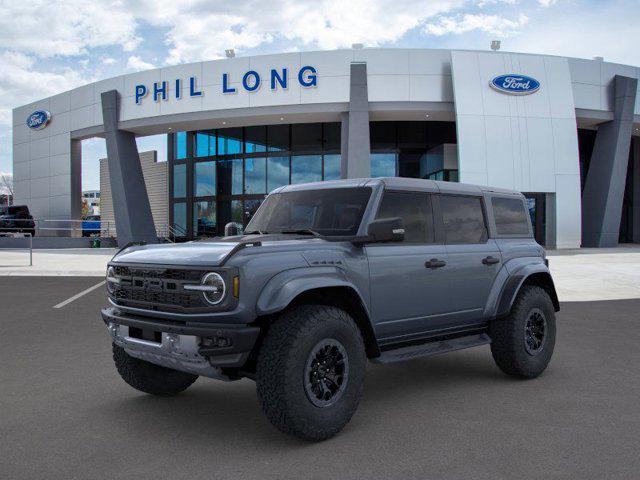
(474, 258)
(408, 279)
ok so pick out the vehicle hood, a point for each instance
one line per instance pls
(209, 253)
(192, 253)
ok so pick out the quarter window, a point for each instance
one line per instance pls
(510, 215)
(463, 219)
(415, 211)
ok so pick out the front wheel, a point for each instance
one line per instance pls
(310, 371)
(523, 342)
(148, 377)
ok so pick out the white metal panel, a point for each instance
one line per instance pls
(381, 61)
(585, 71)
(83, 117)
(21, 188)
(388, 88)
(60, 164)
(430, 62)
(565, 146)
(329, 64)
(147, 78)
(81, 97)
(430, 88)
(39, 187)
(60, 144)
(21, 170)
(499, 154)
(39, 207)
(115, 83)
(212, 71)
(60, 123)
(467, 84)
(587, 96)
(60, 103)
(60, 185)
(217, 101)
(60, 206)
(129, 110)
(568, 211)
(541, 155)
(20, 133)
(472, 147)
(21, 152)
(39, 168)
(39, 148)
(329, 90)
(184, 104)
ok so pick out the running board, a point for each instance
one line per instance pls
(432, 348)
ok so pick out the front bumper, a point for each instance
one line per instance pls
(201, 349)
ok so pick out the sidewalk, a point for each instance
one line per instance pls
(89, 262)
(579, 275)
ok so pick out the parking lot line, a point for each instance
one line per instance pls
(78, 295)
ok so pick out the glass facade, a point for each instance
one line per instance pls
(221, 176)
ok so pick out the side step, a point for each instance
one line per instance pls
(432, 348)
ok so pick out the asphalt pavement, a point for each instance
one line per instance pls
(66, 414)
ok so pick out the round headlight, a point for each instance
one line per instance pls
(214, 288)
(111, 280)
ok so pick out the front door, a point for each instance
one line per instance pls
(408, 279)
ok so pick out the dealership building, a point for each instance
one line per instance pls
(564, 131)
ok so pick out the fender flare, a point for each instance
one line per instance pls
(284, 287)
(515, 281)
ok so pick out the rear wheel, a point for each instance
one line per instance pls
(310, 371)
(522, 343)
(150, 378)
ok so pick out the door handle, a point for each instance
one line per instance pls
(490, 260)
(435, 263)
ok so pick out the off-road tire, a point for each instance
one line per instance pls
(150, 378)
(508, 335)
(281, 371)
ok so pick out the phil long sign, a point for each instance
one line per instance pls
(515, 84)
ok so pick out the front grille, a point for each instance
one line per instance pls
(157, 288)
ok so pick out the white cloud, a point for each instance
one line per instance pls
(203, 30)
(547, 3)
(17, 85)
(46, 29)
(109, 60)
(136, 63)
(491, 24)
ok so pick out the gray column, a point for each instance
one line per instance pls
(131, 208)
(604, 187)
(356, 161)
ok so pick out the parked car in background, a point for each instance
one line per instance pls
(91, 225)
(17, 219)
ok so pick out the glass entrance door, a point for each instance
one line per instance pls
(537, 205)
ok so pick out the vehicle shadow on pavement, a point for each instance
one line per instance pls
(230, 412)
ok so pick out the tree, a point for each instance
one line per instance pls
(86, 209)
(6, 187)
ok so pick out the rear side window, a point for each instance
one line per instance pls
(511, 217)
(415, 211)
(463, 219)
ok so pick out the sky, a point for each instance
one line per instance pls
(50, 47)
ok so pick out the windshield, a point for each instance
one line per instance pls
(330, 212)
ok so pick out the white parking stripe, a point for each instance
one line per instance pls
(77, 296)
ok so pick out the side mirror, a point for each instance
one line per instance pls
(386, 230)
(232, 229)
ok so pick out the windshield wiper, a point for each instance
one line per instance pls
(302, 231)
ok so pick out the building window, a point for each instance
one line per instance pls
(180, 218)
(306, 168)
(221, 176)
(204, 179)
(255, 139)
(230, 141)
(205, 144)
(180, 145)
(255, 176)
(332, 167)
(384, 164)
(180, 180)
(204, 218)
(277, 172)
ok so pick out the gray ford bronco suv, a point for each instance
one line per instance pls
(325, 277)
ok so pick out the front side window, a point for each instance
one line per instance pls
(414, 209)
(463, 219)
(511, 217)
(330, 212)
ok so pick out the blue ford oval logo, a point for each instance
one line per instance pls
(38, 119)
(515, 84)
